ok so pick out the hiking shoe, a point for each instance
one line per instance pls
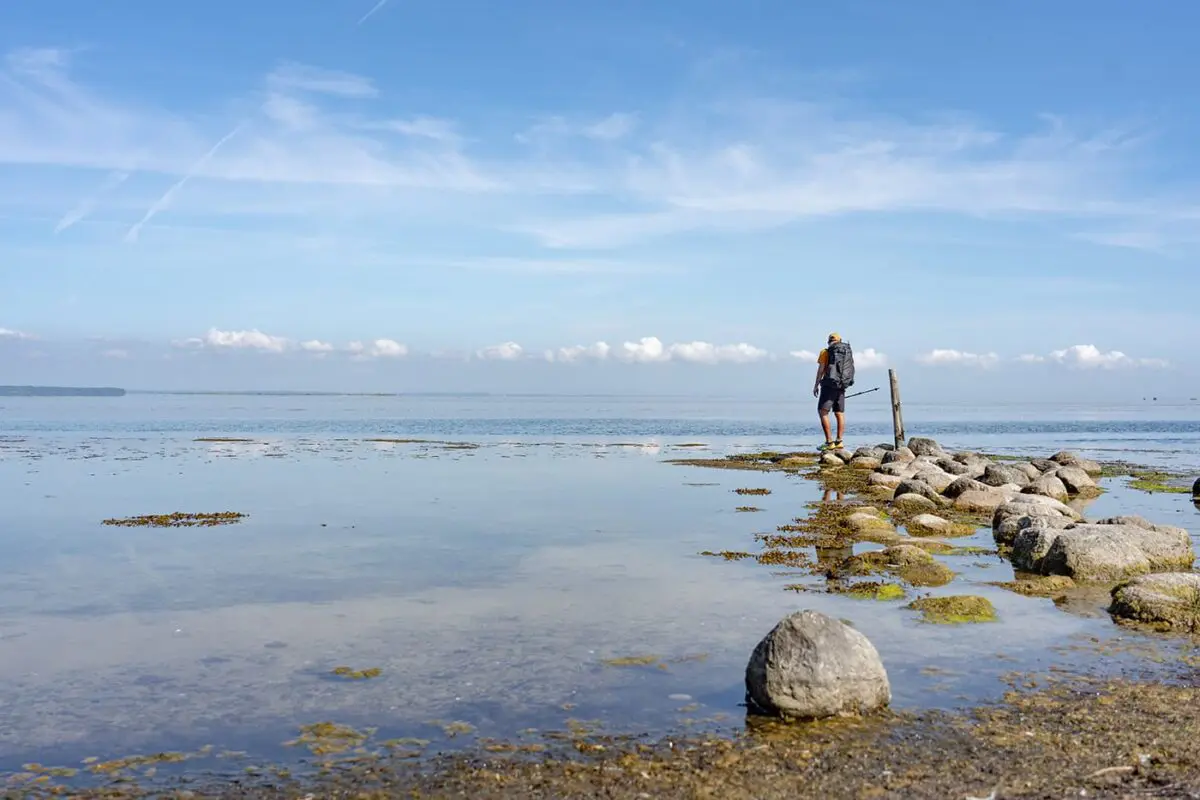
(826, 447)
(837, 444)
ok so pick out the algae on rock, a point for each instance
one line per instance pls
(955, 610)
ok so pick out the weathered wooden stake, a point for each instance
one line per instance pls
(897, 415)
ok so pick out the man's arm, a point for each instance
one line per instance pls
(820, 375)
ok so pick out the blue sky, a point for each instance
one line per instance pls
(545, 194)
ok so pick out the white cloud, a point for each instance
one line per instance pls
(705, 353)
(943, 357)
(304, 78)
(238, 340)
(316, 346)
(647, 349)
(379, 348)
(508, 351)
(870, 358)
(804, 355)
(1088, 356)
(598, 351)
(9, 333)
(1030, 358)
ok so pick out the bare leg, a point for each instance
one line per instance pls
(825, 425)
(841, 425)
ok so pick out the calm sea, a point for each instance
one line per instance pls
(490, 584)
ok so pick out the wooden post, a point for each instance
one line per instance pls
(897, 415)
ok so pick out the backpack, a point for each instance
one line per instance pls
(840, 371)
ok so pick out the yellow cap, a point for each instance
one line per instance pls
(833, 337)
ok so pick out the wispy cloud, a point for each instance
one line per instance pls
(88, 204)
(803, 355)
(9, 333)
(373, 11)
(253, 339)
(165, 200)
(317, 347)
(1088, 356)
(508, 351)
(597, 352)
(379, 348)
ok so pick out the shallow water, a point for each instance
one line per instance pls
(489, 584)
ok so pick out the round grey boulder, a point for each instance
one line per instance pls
(1196, 490)
(811, 666)
(922, 446)
(903, 455)
(1048, 485)
(1075, 478)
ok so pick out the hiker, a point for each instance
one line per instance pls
(835, 374)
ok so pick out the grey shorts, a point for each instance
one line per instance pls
(831, 399)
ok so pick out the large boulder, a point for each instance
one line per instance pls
(1048, 485)
(917, 486)
(982, 501)
(972, 460)
(1075, 479)
(901, 469)
(922, 446)
(1031, 544)
(964, 484)
(1001, 474)
(1167, 601)
(870, 452)
(1098, 553)
(1025, 511)
(1196, 490)
(884, 480)
(865, 462)
(903, 455)
(1045, 464)
(1066, 457)
(951, 467)
(811, 666)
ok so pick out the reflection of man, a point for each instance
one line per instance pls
(830, 388)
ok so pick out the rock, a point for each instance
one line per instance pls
(921, 446)
(972, 460)
(1000, 474)
(902, 469)
(981, 501)
(1092, 468)
(1022, 512)
(923, 524)
(870, 452)
(887, 447)
(1048, 485)
(867, 522)
(1045, 464)
(832, 460)
(865, 462)
(1075, 479)
(911, 564)
(964, 484)
(1168, 601)
(883, 480)
(951, 467)
(915, 486)
(1142, 522)
(1049, 586)
(1114, 552)
(955, 610)
(1031, 544)
(1196, 490)
(811, 666)
(926, 544)
(910, 502)
(935, 478)
(901, 455)
(1031, 472)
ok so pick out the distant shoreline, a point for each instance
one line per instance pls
(61, 391)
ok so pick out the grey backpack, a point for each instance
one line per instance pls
(840, 371)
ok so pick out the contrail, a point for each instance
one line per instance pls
(88, 204)
(371, 13)
(165, 200)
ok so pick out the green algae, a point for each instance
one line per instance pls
(632, 661)
(357, 674)
(728, 555)
(875, 591)
(746, 509)
(753, 491)
(767, 461)
(910, 564)
(178, 519)
(1153, 481)
(1047, 586)
(955, 609)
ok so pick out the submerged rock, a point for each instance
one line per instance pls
(811, 666)
(955, 610)
(911, 564)
(1047, 586)
(931, 523)
(1168, 601)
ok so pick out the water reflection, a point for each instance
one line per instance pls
(486, 588)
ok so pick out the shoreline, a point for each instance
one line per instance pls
(762, 762)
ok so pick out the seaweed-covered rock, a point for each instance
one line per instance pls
(1002, 474)
(923, 524)
(1048, 485)
(811, 666)
(913, 565)
(865, 462)
(902, 455)
(1043, 586)
(921, 446)
(868, 522)
(1075, 479)
(1098, 553)
(911, 502)
(883, 480)
(1092, 468)
(1167, 601)
(955, 609)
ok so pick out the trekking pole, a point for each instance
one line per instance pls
(865, 391)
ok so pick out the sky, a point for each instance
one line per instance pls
(414, 195)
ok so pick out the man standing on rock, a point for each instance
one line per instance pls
(835, 374)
